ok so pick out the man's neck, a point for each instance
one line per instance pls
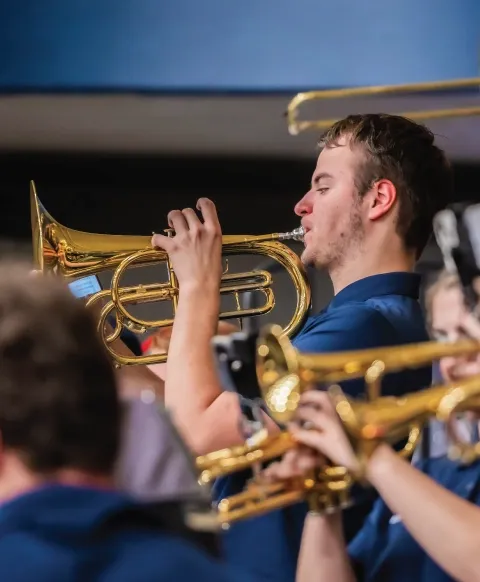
(351, 271)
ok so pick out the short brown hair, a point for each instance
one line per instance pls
(58, 399)
(404, 152)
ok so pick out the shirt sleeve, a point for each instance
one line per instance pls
(368, 543)
(350, 328)
(372, 538)
(357, 327)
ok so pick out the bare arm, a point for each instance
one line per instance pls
(132, 380)
(207, 417)
(445, 525)
(323, 554)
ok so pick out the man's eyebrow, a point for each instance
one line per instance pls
(321, 176)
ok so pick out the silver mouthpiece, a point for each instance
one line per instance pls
(296, 234)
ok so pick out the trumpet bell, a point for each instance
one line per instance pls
(284, 373)
(74, 253)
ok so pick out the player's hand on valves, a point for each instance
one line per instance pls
(318, 426)
(294, 463)
(195, 249)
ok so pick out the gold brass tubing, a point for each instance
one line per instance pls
(295, 126)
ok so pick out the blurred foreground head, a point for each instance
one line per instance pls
(59, 410)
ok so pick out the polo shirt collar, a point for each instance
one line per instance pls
(398, 283)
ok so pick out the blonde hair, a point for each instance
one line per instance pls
(443, 282)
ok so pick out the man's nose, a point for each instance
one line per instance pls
(304, 206)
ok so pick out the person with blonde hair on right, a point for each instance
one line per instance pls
(426, 526)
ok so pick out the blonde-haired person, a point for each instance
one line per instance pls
(426, 526)
(445, 313)
(449, 320)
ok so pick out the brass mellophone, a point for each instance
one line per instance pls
(74, 254)
(284, 374)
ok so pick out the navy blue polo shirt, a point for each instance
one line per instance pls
(381, 310)
(384, 551)
(65, 534)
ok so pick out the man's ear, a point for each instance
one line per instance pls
(383, 196)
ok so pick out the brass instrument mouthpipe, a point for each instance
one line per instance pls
(258, 500)
(389, 418)
(230, 460)
(396, 358)
(325, 489)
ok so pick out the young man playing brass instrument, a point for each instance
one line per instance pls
(426, 526)
(378, 182)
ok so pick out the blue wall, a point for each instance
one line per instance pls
(222, 45)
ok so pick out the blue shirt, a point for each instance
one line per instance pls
(67, 534)
(384, 551)
(381, 310)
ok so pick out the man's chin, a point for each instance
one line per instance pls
(307, 259)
